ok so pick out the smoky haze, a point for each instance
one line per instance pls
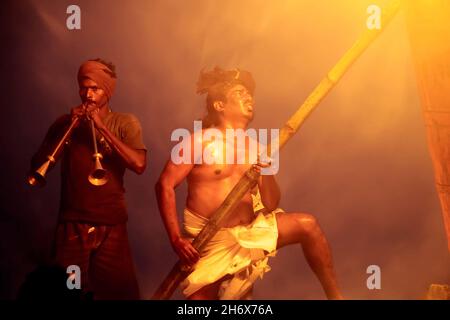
(360, 163)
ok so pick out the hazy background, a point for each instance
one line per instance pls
(360, 164)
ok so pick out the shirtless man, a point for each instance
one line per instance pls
(237, 255)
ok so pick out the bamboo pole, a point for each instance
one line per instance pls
(249, 179)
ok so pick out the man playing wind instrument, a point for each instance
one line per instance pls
(92, 231)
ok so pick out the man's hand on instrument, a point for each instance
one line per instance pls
(187, 253)
(92, 112)
(78, 111)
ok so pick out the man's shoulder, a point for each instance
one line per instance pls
(63, 118)
(61, 122)
(123, 118)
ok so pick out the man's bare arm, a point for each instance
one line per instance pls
(268, 188)
(53, 135)
(270, 192)
(134, 159)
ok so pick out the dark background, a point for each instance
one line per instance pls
(360, 164)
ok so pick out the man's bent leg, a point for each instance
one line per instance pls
(208, 292)
(112, 270)
(72, 247)
(304, 229)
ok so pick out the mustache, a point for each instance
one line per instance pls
(88, 102)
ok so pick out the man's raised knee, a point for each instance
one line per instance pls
(307, 223)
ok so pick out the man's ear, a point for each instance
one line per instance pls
(218, 106)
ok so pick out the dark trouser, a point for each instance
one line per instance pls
(103, 255)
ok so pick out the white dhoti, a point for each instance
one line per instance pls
(240, 251)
